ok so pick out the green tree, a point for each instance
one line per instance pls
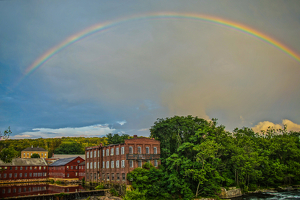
(116, 138)
(70, 148)
(7, 154)
(35, 155)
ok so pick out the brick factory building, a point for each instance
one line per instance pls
(27, 153)
(113, 162)
(67, 168)
(21, 169)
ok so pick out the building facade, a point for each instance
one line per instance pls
(67, 168)
(82, 170)
(27, 153)
(113, 162)
(21, 169)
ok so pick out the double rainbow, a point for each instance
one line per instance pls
(104, 26)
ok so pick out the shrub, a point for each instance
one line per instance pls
(114, 192)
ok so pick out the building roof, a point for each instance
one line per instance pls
(34, 149)
(62, 156)
(82, 163)
(25, 162)
(63, 161)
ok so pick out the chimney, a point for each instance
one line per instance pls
(134, 136)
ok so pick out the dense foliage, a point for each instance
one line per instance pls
(70, 148)
(50, 144)
(116, 138)
(198, 158)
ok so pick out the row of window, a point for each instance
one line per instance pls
(112, 164)
(41, 154)
(21, 168)
(24, 189)
(107, 176)
(21, 175)
(90, 155)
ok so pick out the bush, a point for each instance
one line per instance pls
(134, 195)
(114, 192)
(99, 187)
(51, 181)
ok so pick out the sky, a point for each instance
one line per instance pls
(89, 68)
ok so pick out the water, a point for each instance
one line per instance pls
(289, 195)
(25, 189)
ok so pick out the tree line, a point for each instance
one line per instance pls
(198, 157)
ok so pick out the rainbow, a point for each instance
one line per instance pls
(104, 26)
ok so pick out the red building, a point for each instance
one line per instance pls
(82, 170)
(67, 168)
(23, 170)
(113, 162)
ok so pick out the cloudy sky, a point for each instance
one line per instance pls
(136, 69)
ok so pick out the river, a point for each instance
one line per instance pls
(289, 195)
(25, 189)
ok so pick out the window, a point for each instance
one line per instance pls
(103, 153)
(30, 174)
(112, 177)
(24, 190)
(20, 175)
(67, 175)
(118, 176)
(4, 175)
(8, 190)
(103, 165)
(107, 176)
(45, 154)
(147, 150)
(95, 165)
(42, 154)
(87, 165)
(91, 154)
(103, 176)
(123, 163)
(154, 150)
(30, 168)
(16, 175)
(107, 164)
(40, 168)
(130, 163)
(71, 167)
(139, 150)
(107, 152)
(140, 163)
(112, 164)
(117, 151)
(87, 154)
(24, 154)
(117, 164)
(122, 150)
(16, 168)
(25, 175)
(67, 167)
(98, 165)
(91, 165)
(112, 151)
(21, 168)
(123, 176)
(25, 168)
(130, 150)
(95, 176)
(98, 153)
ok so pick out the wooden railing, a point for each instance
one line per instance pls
(142, 156)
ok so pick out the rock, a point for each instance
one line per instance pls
(226, 194)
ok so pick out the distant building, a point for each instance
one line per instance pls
(82, 170)
(27, 153)
(113, 162)
(21, 169)
(66, 168)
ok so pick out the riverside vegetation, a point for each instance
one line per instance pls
(198, 158)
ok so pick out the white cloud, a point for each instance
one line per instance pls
(144, 129)
(87, 131)
(291, 126)
(122, 122)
